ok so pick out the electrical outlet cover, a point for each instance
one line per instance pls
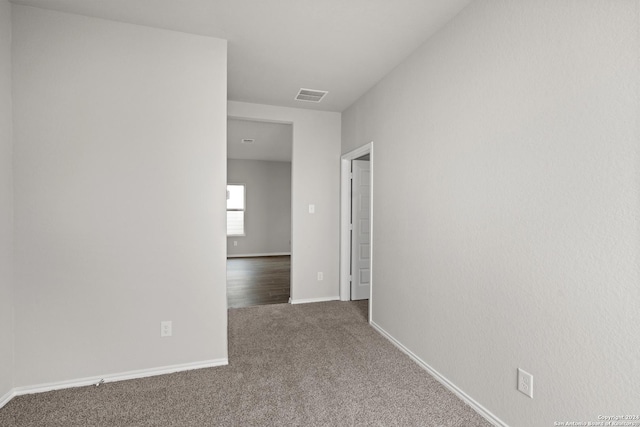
(525, 383)
(165, 328)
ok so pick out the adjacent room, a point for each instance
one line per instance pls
(258, 212)
(453, 216)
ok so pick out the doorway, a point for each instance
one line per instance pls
(356, 225)
(259, 165)
(360, 228)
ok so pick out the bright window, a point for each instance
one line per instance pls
(235, 209)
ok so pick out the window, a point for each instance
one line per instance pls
(235, 209)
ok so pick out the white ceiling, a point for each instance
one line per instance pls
(279, 46)
(273, 141)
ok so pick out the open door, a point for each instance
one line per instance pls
(360, 229)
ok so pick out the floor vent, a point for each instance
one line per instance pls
(310, 95)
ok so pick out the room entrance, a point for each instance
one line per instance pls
(356, 226)
(259, 164)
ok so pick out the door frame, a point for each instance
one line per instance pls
(345, 221)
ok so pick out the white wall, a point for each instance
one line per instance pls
(120, 173)
(506, 222)
(6, 205)
(315, 180)
(268, 206)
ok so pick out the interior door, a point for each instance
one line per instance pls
(360, 226)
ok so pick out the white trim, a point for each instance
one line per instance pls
(258, 255)
(310, 300)
(130, 375)
(484, 412)
(7, 397)
(358, 152)
(345, 227)
(345, 216)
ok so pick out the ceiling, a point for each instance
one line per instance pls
(273, 141)
(276, 47)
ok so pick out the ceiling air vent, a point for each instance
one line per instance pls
(248, 141)
(310, 95)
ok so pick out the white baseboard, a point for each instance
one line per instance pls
(258, 255)
(484, 412)
(6, 398)
(130, 375)
(309, 300)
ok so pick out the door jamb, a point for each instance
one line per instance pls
(345, 220)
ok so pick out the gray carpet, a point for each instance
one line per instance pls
(304, 365)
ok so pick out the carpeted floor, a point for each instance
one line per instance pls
(290, 365)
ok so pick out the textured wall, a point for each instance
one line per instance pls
(6, 205)
(268, 206)
(120, 174)
(506, 205)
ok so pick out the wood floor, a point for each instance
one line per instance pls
(258, 281)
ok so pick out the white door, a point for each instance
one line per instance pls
(360, 237)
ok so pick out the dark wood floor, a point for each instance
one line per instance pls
(258, 281)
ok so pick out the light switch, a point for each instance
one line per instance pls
(312, 209)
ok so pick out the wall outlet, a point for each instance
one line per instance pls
(165, 328)
(320, 276)
(235, 243)
(525, 383)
